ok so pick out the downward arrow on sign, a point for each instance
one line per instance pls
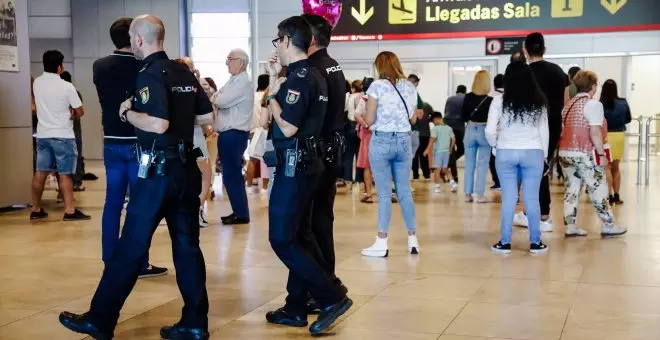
(613, 6)
(362, 16)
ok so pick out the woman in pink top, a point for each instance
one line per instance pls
(582, 155)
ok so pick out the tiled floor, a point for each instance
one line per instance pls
(583, 289)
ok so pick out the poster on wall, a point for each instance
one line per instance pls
(439, 19)
(8, 39)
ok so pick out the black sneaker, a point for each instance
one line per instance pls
(538, 248)
(284, 318)
(177, 332)
(152, 271)
(38, 215)
(79, 188)
(611, 200)
(496, 187)
(501, 248)
(77, 216)
(329, 315)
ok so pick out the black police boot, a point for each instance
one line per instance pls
(329, 315)
(80, 324)
(282, 317)
(177, 332)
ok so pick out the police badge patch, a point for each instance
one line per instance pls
(144, 95)
(292, 96)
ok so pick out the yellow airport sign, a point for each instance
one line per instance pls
(402, 12)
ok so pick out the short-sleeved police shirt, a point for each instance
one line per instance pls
(304, 100)
(177, 98)
(335, 117)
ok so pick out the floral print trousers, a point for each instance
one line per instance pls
(582, 170)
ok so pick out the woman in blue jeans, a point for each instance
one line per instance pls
(390, 110)
(518, 128)
(477, 149)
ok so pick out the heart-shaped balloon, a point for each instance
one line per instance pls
(330, 10)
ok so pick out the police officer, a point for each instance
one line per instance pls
(298, 109)
(332, 137)
(167, 104)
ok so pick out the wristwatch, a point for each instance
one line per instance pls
(269, 98)
(124, 116)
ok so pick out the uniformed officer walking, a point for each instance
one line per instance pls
(167, 104)
(298, 109)
(332, 136)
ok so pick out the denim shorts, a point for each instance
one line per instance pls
(441, 159)
(57, 155)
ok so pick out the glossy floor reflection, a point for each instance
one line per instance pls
(583, 289)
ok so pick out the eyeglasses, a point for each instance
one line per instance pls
(231, 59)
(277, 40)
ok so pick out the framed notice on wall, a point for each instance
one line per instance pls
(438, 19)
(8, 39)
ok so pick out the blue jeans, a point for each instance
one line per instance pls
(57, 154)
(121, 170)
(477, 156)
(271, 176)
(525, 166)
(390, 154)
(231, 147)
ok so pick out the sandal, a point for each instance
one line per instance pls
(367, 199)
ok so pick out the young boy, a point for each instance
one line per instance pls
(440, 146)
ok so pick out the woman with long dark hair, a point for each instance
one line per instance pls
(617, 114)
(518, 128)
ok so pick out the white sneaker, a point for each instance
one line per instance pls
(483, 199)
(203, 223)
(612, 230)
(437, 189)
(378, 249)
(574, 231)
(546, 226)
(454, 186)
(413, 245)
(520, 220)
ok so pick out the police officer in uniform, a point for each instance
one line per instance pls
(332, 137)
(167, 103)
(298, 109)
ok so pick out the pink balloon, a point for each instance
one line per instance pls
(330, 10)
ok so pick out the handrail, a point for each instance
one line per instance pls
(640, 146)
(649, 120)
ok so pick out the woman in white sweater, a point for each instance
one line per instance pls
(518, 128)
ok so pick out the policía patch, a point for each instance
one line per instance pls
(292, 96)
(144, 95)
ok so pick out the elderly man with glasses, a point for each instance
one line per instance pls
(235, 103)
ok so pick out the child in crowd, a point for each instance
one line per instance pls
(440, 146)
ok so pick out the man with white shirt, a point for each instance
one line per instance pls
(57, 104)
(235, 103)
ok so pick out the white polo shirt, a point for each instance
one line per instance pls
(54, 98)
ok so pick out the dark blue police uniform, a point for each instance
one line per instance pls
(303, 98)
(322, 210)
(170, 92)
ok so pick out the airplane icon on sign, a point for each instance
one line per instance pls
(402, 8)
(401, 12)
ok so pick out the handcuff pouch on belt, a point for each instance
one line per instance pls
(333, 150)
